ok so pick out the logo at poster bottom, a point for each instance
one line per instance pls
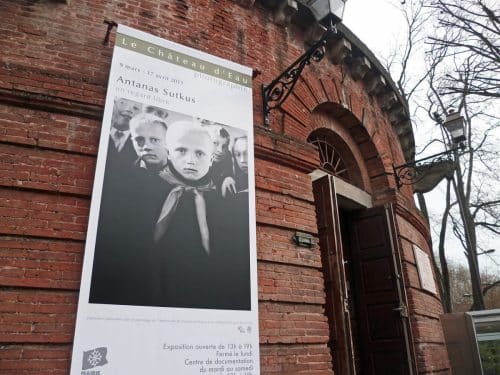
(94, 358)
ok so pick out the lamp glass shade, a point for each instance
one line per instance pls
(454, 124)
(330, 9)
(337, 8)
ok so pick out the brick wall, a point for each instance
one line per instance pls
(426, 307)
(53, 77)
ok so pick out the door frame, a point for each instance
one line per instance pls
(342, 194)
(350, 197)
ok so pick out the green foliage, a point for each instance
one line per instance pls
(490, 356)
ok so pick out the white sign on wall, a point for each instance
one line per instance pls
(169, 282)
(424, 267)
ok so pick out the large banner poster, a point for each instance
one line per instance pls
(169, 283)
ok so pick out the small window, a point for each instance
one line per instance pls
(330, 159)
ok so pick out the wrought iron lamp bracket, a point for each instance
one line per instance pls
(275, 94)
(413, 172)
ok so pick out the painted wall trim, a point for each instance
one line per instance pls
(345, 189)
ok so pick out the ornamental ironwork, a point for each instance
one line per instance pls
(413, 172)
(274, 94)
(330, 159)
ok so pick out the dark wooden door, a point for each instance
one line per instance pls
(383, 323)
(332, 258)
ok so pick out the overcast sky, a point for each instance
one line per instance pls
(379, 24)
(376, 22)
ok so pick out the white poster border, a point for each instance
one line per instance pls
(181, 321)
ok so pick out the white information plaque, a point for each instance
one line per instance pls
(424, 267)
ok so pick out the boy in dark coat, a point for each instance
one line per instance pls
(194, 252)
(122, 272)
(222, 165)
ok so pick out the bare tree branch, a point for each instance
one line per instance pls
(490, 286)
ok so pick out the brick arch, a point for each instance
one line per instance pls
(319, 102)
(324, 124)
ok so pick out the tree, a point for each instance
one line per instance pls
(461, 297)
(462, 43)
(470, 28)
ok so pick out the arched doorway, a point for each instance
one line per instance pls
(365, 301)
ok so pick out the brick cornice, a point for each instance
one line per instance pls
(362, 65)
(264, 153)
(49, 103)
(274, 154)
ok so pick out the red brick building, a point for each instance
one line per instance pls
(353, 303)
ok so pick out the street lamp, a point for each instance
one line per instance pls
(328, 13)
(437, 166)
(455, 126)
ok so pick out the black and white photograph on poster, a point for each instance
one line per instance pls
(173, 222)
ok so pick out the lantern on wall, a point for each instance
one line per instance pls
(326, 11)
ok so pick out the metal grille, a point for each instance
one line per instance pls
(331, 160)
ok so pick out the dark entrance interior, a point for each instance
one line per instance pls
(365, 301)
